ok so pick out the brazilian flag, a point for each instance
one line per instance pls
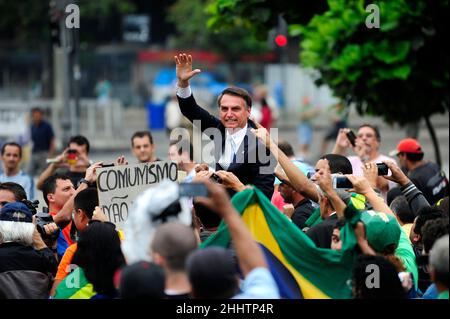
(300, 269)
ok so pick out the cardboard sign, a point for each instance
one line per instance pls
(118, 186)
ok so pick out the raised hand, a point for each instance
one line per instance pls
(184, 70)
(91, 174)
(230, 180)
(360, 184)
(121, 160)
(397, 174)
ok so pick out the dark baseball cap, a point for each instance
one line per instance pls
(16, 212)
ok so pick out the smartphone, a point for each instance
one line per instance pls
(383, 169)
(216, 178)
(351, 137)
(340, 181)
(71, 156)
(193, 190)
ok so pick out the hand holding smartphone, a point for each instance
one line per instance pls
(383, 169)
(351, 137)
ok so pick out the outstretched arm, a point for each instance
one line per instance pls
(184, 70)
(298, 180)
(249, 254)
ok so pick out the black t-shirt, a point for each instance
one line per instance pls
(431, 181)
(302, 212)
(321, 233)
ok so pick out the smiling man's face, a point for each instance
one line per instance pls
(233, 111)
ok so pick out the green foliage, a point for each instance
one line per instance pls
(27, 21)
(194, 33)
(399, 71)
(387, 71)
(260, 15)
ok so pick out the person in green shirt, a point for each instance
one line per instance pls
(438, 263)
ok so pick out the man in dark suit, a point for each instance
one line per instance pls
(237, 150)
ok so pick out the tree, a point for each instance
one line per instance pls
(189, 17)
(398, 71)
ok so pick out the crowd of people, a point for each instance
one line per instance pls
(73, 251)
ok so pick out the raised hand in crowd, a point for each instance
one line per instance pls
(323, 179)
(288, 210)
(397, 174)
(343, 143)
(298, 180)
(99, 215)
(219, 202)
(363, 243)
(201, 167)
(184, 70)
(201, 176)
(362, 186)
(229, 180)
(121, 160)
(370, 171)
(91, 172)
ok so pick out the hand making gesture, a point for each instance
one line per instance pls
(184, 70)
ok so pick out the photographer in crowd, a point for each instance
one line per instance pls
(27, 265)
(72, 162)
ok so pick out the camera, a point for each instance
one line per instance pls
(42, 218)
(216, 178)
(340, 181)
(383, 169)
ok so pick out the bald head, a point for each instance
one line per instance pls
(174, 242)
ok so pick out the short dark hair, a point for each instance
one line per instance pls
(100, 255)
(432, 231)
(392, 194)
(12, 144)
(183, 145)
(425, 214)
(212, 273)
(400, 207)
(338, 164)
(286, 148)
(374, 128)
(49, 185)
(442, 205)
(142, 134)
(413, 157)
(390, 285)
(37, 109)
(208, 218)
(235, 91)
(80, 140)
(86, 200)
(16, 189)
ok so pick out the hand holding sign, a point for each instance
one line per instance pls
(91, 174)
